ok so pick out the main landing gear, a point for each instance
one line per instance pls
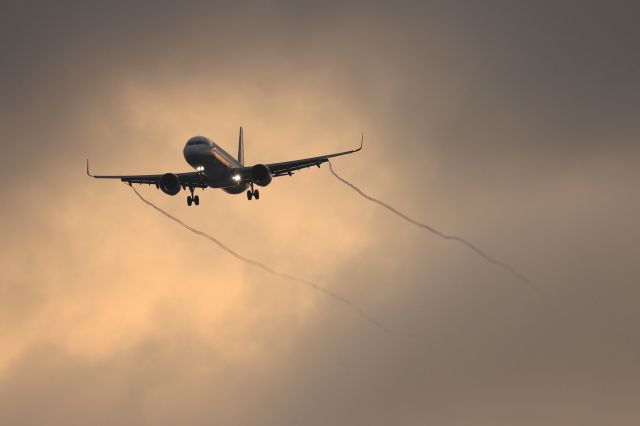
(253, 193)
(192, 199)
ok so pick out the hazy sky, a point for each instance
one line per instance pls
(512, 124)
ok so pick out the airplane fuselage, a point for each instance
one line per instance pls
(216, 165)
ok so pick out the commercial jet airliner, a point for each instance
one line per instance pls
(216, 168)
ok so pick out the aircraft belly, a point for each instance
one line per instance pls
(219, 176)
(217, 171)
(238, 189)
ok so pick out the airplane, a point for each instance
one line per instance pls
(215, 168)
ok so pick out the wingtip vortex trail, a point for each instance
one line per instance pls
(521, 277)
(346, 302)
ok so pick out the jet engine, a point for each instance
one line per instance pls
(170, 184)
(261, 175)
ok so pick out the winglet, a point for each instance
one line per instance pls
(361, 143)
(88, 172)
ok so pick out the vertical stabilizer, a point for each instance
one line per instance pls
(241, 148)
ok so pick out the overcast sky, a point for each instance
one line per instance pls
(513, 124)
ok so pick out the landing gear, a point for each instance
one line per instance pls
(193, 199)
(253, 193)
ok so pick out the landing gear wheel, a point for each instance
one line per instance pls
(189, 200)
(196, 200)
(249, 195)
(256, 194)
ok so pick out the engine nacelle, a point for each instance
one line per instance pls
(261, 175)
(170, 184)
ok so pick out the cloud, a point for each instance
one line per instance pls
(513, 125)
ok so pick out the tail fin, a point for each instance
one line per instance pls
(241, 148)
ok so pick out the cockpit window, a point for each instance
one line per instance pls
(199, 142)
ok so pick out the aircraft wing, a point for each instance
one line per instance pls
(288, 167)
(186, 179)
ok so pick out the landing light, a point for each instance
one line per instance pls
(200, 168)
(236, 178)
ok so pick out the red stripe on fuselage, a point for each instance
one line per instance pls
(224, 158)
(221, 159)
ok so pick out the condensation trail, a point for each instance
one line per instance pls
(440, 234)
(271, 271)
